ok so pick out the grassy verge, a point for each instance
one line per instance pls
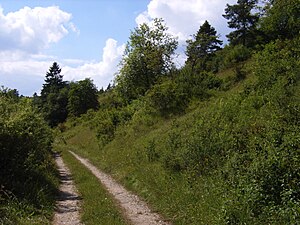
(97, 206)
(14, 211)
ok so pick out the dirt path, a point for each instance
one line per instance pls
(67, 206)
(134, 209)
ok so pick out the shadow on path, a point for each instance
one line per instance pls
(68, 200)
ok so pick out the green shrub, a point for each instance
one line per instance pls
(168, 98)
(231, 55)
(264, 176)
(27, 171)
(106, 122)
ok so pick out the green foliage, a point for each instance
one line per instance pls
(9, 93)
(82, 96)
(172, 96)
(282, 19)
(148, 56)
(54, 97)
(196, 85)
(282, 61)
(241, 18)
(231, 56)
(54, 108)
(27, 173)
(53, 81)
(265, 175)
(60, 99)
(204, 45)
(106, 122)
(168, 97)
(110, 99)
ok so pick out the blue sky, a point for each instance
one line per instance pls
(96, 20)
(87, 37)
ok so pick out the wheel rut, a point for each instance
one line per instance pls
(68, 202)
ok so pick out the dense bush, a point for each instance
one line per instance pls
(230, 56)
(251, 139)
(173, 95)
(27, 172)
(168, 98)
(264, 173)
(106, 122)
(82, 96)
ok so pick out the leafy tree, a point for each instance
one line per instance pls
(244, 22)
(148, 56)
(204, 45)
(9, 93)
(54, 97)
(82, 96)
(282, 19)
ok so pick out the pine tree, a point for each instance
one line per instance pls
(206, 42)
(54, 96)
(244, 22)
(53, 81)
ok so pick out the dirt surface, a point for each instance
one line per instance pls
(68, 202)
(134, 209)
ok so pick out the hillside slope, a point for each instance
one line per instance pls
(231, 158)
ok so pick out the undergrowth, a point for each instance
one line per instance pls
(28, 176)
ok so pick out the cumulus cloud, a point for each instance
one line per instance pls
(185, 17)
(24, 34)
(18, 69)
(33, 29)
(101, 72)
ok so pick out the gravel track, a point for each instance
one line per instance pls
(68, 202)
(133, 207)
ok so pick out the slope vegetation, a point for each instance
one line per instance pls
(228, 157)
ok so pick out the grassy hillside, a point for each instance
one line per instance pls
(231, 157)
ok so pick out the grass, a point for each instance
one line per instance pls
(98, 206)
(179, 197)
(14, 211)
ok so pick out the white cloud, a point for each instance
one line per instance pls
(33, 29)
(17, 68)
(100, 72)
(185, 17)
(24, 34)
